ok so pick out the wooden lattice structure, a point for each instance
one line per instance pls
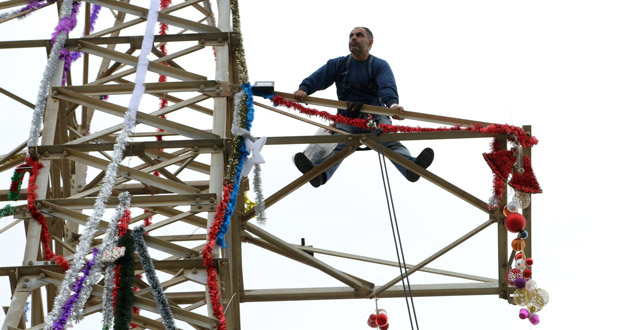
(70, 148)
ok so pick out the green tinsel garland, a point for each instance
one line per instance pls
(7, 210)
(124, 300)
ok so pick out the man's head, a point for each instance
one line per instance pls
(360, 42)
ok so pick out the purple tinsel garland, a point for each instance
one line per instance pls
(60, 323)
(67, 25)
(34, 5)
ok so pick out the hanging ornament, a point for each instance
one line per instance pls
(515, 223)
(534, 300)
(518, 244)
(512, 275)
(522, 199)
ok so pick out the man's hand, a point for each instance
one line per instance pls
(399, 109)
(300, 95)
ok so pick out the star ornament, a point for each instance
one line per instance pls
(254, 149)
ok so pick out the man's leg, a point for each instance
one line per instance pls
(424, 159)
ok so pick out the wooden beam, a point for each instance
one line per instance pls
(315, 263)
(385, 111)
(436, 255)
(471, 199)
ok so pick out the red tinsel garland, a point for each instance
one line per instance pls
(207, 257)
(34, 212)
(520, 135)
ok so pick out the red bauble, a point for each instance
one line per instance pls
(385, 327)
(515, 222)
(519, 256)
(527, 273)
(529, 261)
(382, 320)
(372, 321)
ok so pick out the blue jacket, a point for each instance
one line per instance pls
(371, 85)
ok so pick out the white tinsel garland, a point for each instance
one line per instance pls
(108, 181)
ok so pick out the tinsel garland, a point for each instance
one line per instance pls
(66, 25)
(35, 167)
(92, 277)
(60, 323)
(519, 134)
(123, 227)
(242, 68)
(7, 210)
(125, 290)
(207, 255)
(149, 270)
(242, 123)
(112, 169)
(48, 72)
(31, 6)
(110, 241)
(70, 57)
(16, 181)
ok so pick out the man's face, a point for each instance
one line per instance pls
(359, 42)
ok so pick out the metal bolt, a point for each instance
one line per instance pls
(194, 271)
(65, 153)
(202, 87)
(219, 39)
(215, 147)
(188, 255)
(46, 154)
(24, 286)
(195, 149)
(30, 263)
(26, 280)
(202, 42)
(78, 46)
(42, 275)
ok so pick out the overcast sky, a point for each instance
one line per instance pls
(550, 64)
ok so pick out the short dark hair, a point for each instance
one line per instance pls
(368, 32)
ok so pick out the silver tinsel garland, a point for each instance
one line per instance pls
(48, 73)
(149, 271)
(111, 172)
(237, 130)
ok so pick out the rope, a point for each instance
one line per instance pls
(396, 234)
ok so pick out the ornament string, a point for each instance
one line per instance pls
(400, 253)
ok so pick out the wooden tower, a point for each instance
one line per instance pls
(191, 160)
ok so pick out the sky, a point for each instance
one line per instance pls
(550, 64)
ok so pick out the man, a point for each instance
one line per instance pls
(360, 78)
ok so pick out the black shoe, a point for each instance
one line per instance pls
(304, 165)
(424, 160)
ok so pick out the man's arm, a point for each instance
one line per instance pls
(387, 88)
(321, 79)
